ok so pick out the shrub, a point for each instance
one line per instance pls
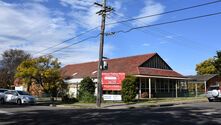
(87, 85)
(129, 89)
(87, 97)
(67, 99)
(86, 90)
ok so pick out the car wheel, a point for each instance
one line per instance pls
(2, 101)
(19, 102)
(210, 100)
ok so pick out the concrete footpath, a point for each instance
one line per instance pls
(145, 104)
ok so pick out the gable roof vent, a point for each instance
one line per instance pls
(74, 74)
(94, 72)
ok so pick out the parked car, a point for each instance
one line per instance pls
(2, 91)
(214, 93)
(19, 97)
(2, 95)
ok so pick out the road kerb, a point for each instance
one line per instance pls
(131, 106)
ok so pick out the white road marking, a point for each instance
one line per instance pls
(5, 112)
(210, 113)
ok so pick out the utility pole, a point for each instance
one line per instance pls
(102, 12)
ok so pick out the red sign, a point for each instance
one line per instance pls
(112, 81)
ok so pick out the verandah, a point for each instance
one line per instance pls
(149, 87)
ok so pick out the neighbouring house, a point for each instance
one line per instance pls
(200, 83)
(155, 77)
(34, 89)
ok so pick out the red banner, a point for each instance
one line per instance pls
(112, 81)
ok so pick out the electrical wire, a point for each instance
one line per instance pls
(163, 33)
(78, 42)
(167, 12)
(138, 18)
(81, 34)
(168, 22)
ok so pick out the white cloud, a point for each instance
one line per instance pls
(34, 27)
(87, 19)
(31, 27)
(163, 42)
(169, 37)
(84, 12)
(146, 44)
(78, 4)
(151, 7)
(37, 0)
(84, 52)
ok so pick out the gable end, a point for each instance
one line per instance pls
(156, 62)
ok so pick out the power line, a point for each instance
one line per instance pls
(132, 19)
(163, 33)
(127, 23)
(92, 37)
(181, 38)
(167, 12)
(81, 34)
(169, 22)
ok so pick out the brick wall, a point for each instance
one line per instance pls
(214, 81)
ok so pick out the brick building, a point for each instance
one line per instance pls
(156, 77)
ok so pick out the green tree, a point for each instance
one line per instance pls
(129, 89)
(206, 67)
(10, 61)
(4, 79)
(44, 71)
(86, 90)
(217, 62)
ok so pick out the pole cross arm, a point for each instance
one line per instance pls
(107, 9)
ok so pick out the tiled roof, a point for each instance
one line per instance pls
(205, 77)
(158, 72)
(79, 70)
(127, 65)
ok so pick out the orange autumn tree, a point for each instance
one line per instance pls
(44, 71)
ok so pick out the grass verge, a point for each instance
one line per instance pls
(141, 103)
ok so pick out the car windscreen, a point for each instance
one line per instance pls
(23, 93)
(212, 88)
(2, 90)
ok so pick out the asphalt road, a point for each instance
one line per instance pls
(188, 114)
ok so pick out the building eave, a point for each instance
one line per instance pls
(162, 77)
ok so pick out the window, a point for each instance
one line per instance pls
(8, 92)
(14, 93)
(212, 88)
(22, 93)
(2, 90)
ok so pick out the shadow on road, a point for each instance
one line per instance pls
(144, 116)
(2, 106)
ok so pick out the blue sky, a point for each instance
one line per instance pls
(34, 25)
